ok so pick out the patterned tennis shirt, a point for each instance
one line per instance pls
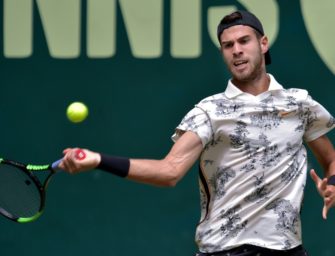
(253, 166)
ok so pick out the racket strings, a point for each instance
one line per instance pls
(19, 194)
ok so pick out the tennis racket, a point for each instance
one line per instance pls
(22, 193)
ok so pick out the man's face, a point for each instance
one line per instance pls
(243, 52)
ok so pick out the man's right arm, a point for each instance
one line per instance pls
(164, 172)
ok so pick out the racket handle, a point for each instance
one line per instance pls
(80, 155)
(55, 165)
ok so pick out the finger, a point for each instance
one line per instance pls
(68, 162)
(324, 184)
(324, 212)
(64, 166)
(326, 196)
(328, 203)
(315, 177)
(65, 151)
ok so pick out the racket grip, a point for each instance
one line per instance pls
(55, 165)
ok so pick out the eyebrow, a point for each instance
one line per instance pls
(238, 39)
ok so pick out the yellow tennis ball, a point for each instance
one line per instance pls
(77, 112)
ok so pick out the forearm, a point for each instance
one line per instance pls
(154, 172)
(330, 170)
(325, 154)
(169, 170)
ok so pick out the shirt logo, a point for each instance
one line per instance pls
(284, 113)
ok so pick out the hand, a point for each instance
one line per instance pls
(77, 160)
(327, 192)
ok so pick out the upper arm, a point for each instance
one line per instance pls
(185, 152)
(324, 152)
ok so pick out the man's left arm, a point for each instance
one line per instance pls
(324, 152)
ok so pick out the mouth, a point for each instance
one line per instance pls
(240, 63)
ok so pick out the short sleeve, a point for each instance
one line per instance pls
(197, 121)
(318, 121)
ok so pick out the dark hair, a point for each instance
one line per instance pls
(243, 18)
(228, 19)
(232, 19)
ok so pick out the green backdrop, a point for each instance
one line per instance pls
(137, 87)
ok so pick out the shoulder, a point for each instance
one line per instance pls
(212, 100)
(291, 93)
(296, 93)
(300, 97)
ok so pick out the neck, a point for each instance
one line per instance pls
(254, 86)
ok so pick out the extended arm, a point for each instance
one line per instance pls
(165, 172)
(325, 154)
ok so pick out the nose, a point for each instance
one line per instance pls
(237, 50)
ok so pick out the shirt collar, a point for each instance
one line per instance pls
(232, 91)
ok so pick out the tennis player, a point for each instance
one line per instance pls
(250, 141)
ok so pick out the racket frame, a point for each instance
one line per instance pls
(29, 170)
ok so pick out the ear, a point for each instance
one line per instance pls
(264, 44)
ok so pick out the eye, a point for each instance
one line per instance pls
(244, 40)
(227, 45)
